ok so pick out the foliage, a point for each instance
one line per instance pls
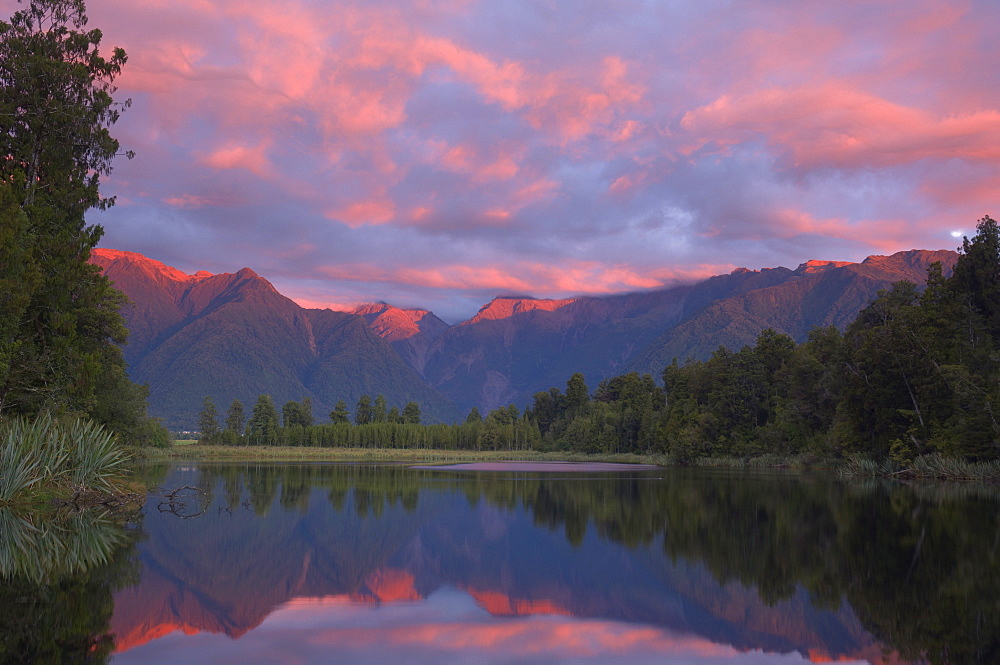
(297, 413)
(411, 413)
(208, 421)
(340, 414)
(263, 424)
(379, 414)
(60, 317)
(54, 100)
(235, 418)
(363, 413)
(78, 453)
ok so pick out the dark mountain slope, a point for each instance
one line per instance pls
(493, 362)
(233, 336)
(810, 297)
(410, 331)
(351, 360)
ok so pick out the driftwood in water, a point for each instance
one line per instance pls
(177, 503)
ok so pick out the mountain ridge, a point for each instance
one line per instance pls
(233, 335)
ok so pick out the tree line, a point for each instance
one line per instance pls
(295, 425)
(915, 374)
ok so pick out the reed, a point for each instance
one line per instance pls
(863, 466)
(949, 468)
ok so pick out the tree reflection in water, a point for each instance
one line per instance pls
(58, 576)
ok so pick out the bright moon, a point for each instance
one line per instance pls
(956, 234)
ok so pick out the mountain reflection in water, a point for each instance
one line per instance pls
(389, 564)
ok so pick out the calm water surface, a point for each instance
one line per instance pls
(306, 564)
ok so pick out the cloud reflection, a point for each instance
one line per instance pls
(449, 627)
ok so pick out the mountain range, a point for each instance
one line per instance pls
(233, 336)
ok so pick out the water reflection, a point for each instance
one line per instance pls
(57, 575)
(393, 564)
(41, 548)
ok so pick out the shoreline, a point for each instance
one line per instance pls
(930, 467)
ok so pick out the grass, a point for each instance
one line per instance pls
(414, 455)
(855, 466)
(925, 467)
(46, 455)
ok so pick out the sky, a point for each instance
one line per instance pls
(437, 153)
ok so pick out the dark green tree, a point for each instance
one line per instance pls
(61, 330)
(340, 413)
(262, 429)
(363, 411)
(411, 413)
(306, 412)
(379, 413)
(208, 420)
(577, 395)
(474, 416)
(297, 413)
(394, 416)
(235, 418)
(977, 274)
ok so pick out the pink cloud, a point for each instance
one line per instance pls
(364, 212)
(573, 104)
(335, 305)
(836, 125)
(498, 82)
(236, 156)
(188, 201)
(581, 277)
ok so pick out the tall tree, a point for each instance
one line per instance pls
(56, 109)
(411, 413)
(363, 411)
(262, 428)
(340, 413)
(379, 413)
(577, 395)
(208, 420)
(977, 274)
(291, 413)
(298, 413)
(235, 418)
(306, 412)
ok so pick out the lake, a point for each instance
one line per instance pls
(361, 563)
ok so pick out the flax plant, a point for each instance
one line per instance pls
(77, 455)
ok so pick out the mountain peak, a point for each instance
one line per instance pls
(108, 257)
(503, 307)
(394, 324)
(817, 265)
